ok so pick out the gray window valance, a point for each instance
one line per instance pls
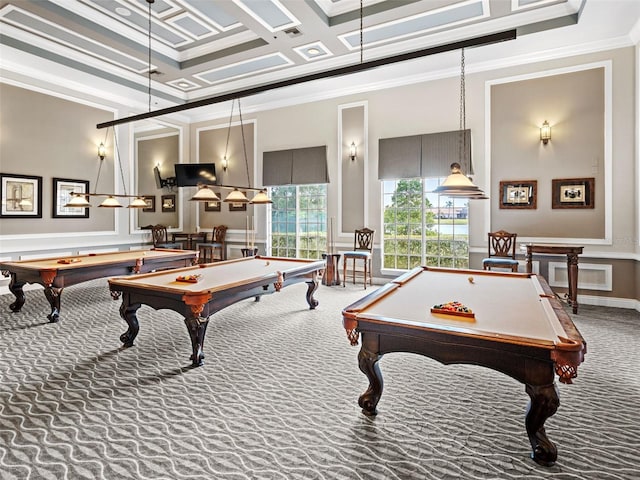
(298, 166)
(420, 156)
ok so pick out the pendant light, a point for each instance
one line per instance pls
(205, 194)
(457, 184)
(81, 200)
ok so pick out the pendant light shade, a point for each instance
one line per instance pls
(236, 196)
(205, 194)
(110, 202)
(78, 201)
(138, 203)
(261, 198)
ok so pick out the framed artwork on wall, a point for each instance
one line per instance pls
(572, 193)
(62, 190)
(212, 206)
(519, 194)
(21, 196)
(150, 200)
(168, 203)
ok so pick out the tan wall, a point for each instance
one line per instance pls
(573, 104)
(52, 137)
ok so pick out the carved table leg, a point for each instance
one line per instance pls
(312, 286)
(197, 327)
(544, 403)
(15, 287)
(53, 296)
(368, 363)
(128, 314)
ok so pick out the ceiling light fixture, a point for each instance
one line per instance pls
(81, 200)
(457, 184)
(237, 195)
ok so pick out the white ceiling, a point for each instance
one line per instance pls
(204, 48)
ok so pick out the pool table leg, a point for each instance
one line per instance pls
(128, 314)
(15, 287)
(312, 286)
(197, 327)
(368, 363)
(53, 296)
(544, 403)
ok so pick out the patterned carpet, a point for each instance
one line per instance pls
(277, 399)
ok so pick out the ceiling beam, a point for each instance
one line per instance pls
(471, 42)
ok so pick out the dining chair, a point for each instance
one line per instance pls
(208, 249)
(160, 238)
(363, 251)
(502, 251)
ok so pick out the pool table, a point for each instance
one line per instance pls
(215, 286)
(516, 326)
(56, 273)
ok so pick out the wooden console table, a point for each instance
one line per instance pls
(572, 253)
(190, 239)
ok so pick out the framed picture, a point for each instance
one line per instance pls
(151, 203)
(21, 196)
(168, 203)
(212, 206)
(519, 194)
(573, 193)
(62, 190)
(238, 207)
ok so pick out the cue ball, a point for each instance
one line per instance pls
(470, 279)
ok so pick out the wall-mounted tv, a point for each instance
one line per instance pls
(193, 174)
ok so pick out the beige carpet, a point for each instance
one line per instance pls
(277, 399)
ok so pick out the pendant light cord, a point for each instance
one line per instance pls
(226, 148)
(149, 55)
(95, 185)
(361, 41)
(117, 153)
(463, 114)
(244, 144)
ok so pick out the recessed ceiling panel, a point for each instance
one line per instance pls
(418, 24)
(270, 13)
(159, 8)
(191, 25)
(212, 12)
(55, 33)
(140, 21)
(243, 69)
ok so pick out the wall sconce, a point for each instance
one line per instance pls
(545, 133)
(224, 163)
(352, 152)
(102, 151)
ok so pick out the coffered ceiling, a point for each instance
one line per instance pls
(203, 48)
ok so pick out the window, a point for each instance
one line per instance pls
(422, 228)
(299, 221)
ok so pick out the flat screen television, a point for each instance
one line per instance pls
(193, 174)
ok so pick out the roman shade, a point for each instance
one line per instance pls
(298, 166)
(420, 156)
